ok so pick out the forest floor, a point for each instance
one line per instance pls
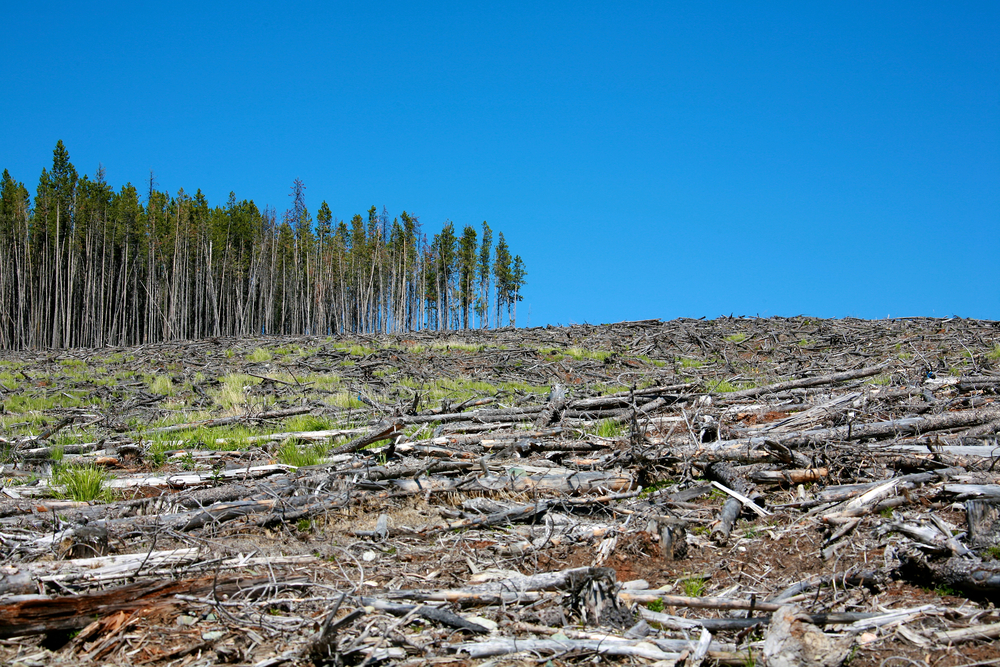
(531, 496)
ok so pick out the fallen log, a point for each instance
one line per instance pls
(39, 614)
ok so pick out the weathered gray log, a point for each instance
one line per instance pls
(381, 431)
(876, 431)
(555, 405)
(792, 641)
(442, 616)
(983, 518)
(629, 648)
(803, 382)
(732, 478)
(227, 421)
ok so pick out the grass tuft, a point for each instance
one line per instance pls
(260, 355)
(83, 482)
(293, 454)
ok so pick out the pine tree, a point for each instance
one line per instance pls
(502, 275)
(483, 267)
(467, 271)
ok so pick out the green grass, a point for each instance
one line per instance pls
(354, 349)
(235, 438)
(344, 399)
(232, 392)
(40, 401)
(725, 386)
(309, 423)
(83, 482)
(580, 353)
(694, 587)
(690, 363)
(456, 345)
(293, 454)
(994, 354)
(260, 355)
(160, 384)
(453, 388)
(655, 605)
(609, 428)
(736, 338)
(880, 380)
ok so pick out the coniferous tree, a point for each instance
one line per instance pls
(483, 268)
(467, 271)
(87, 265)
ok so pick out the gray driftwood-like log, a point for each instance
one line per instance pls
(983, 517)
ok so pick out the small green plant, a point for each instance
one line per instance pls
(656, 486)
(994, 354)
(309, 423)
(293, 455)
(750, 530)
(83, 483)
(304, 526)
(737, 338)
(719, 387)
(160, 384)
(992, 552)
(691, 363)
(609, 428)
(260, 355)
(944, 590)
(655, 605)
(694, 587)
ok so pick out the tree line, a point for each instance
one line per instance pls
(84, 265)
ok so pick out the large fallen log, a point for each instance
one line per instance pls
(39, 614)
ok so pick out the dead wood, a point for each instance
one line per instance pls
(562, 490)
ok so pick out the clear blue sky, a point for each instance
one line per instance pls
(645, 159)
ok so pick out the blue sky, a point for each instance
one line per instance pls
(645, 159)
